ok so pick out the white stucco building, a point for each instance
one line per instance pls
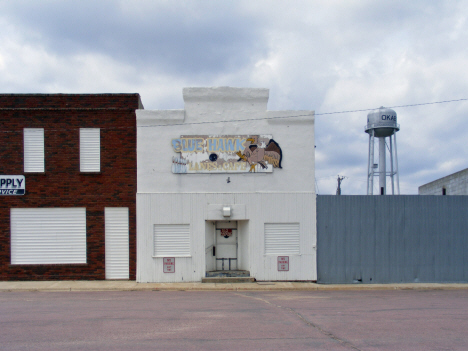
(225, 184)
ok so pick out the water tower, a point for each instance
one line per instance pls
(382, 124)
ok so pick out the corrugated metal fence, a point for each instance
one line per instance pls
(392, 239)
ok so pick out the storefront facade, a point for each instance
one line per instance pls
(225, 185)
(68, 186)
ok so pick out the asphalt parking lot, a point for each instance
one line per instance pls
(235, 320)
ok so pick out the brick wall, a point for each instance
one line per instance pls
(62, 184)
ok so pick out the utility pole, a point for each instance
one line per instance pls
(338, 189)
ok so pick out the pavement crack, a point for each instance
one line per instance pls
(305, 320)
(323, 331)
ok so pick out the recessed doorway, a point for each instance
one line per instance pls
(227, 252)
(226, 245)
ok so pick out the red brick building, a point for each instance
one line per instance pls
(74, 155)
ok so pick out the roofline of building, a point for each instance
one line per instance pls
(40, 95)
(447, 176)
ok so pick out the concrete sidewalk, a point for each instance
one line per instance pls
(106, 285)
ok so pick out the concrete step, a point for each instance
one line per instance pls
(237, 273)
(228, 280)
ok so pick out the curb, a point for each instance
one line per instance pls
(75, 286)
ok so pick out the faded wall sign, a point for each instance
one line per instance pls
(226, 154)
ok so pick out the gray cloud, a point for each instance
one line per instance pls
(181, 38)
(319, 55)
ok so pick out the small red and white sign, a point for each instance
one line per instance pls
(283, 263)
(169, 264)
(226, 233)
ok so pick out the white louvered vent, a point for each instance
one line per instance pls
(90, 150)
(171, 240)
(48, 235)
(282, 238)
(33, 144)
(117, 245)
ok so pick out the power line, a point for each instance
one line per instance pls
(326, 177)
(230, 121)
(410, 105)
(253, 119)
(296, 116)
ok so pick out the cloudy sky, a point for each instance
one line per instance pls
(327, 56)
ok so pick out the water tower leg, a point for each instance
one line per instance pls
(396, 166)
(368, 165)
(382, 167)
(370, 173)
(391, 166)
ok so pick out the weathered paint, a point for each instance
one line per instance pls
(286, 195)
(211, 115)
(193, 208)
(392, 239)
(226, 154)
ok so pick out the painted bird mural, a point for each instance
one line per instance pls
(255, 155)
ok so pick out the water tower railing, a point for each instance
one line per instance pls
(381, 125)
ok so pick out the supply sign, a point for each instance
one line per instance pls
(12, 185)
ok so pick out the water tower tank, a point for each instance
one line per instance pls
(383, 122)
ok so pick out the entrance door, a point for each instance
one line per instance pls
(117, 247)
(226, 246)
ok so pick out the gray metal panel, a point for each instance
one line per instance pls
(391, 239)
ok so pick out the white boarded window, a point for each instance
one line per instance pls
(117, 245)
(48, 235)
(171, 240)
(90, 150)
(33, 145)
(282, 239)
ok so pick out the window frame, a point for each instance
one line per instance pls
(277, 234)
(48, 236)
(90, 150)
(175, 237)
(33, 150)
